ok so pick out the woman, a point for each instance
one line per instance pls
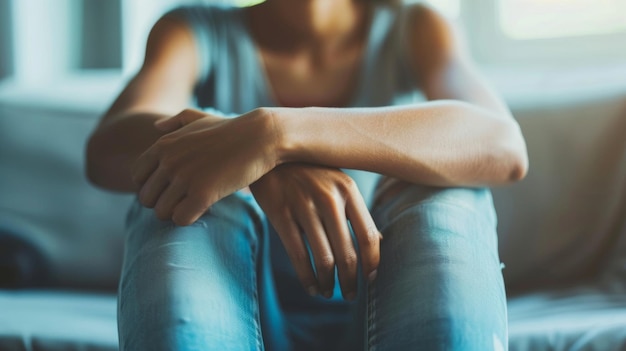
(207, 265)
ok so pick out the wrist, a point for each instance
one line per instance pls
(270, 123)
(280, 125)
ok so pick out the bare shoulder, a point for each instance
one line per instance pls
(169, 73)
(171, 38)
(432, 39)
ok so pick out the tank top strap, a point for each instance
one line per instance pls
(232, 80)
(388, 73)
(401, 45)
(217, 32)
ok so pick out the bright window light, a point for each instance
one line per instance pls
(542, 19)
(449, 8)
(244, 3)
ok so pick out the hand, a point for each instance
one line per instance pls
(202, 159)
(319, 201)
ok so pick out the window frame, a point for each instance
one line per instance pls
(519, 68)
(494, 47)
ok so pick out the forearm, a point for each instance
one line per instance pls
(444, 143)
(115, 145)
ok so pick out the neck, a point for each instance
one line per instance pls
(310, 22)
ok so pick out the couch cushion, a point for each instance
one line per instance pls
(560, 224)
(47, 200)
(57, 321)
(576, 319)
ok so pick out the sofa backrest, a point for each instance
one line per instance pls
(563, 222)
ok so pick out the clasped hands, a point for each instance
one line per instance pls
(203, 158)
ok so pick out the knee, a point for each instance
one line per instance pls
(235, 218)
(427, 224)
(431, 208)
(439, 249)
(169, 271)
(164, 262)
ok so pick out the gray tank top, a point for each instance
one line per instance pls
(233, 80)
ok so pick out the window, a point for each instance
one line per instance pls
(99, 34)
(541, 19)
(41, 40)
(243, 3)
(546, 32)
(50, 40)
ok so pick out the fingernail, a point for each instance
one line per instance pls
(312, 290)
(372, 276)
(328, 294)
(350, 296)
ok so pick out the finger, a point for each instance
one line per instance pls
(346, 260)
(323, 257)
(168, 200)
(189, 209)
(182, 119)
(367, 235)
(152, 189)
(143, 167)
(167, 125)
(296, 250)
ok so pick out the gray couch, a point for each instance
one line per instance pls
(562, 231)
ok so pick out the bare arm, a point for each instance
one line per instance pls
(162, 88)
(446, 143)
(468, 137)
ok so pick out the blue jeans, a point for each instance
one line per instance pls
(225, 282)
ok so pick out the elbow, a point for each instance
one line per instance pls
(104, 167)
(513, 155)
(518, 167)
(94, 162)
(91, 158)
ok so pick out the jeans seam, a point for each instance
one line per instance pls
(371, 315)
(256, 245)
(255, 300)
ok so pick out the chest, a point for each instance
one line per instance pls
(307, 79)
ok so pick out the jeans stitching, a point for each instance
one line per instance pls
(256, 245)
(255, 300)
(370, 342)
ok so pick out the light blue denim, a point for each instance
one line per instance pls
(225, 282)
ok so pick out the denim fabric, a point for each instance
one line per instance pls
(225, 282)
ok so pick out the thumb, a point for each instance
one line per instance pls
(182, 119)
